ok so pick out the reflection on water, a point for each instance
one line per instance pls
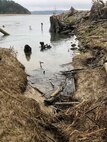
(2, 37)
(28, 56)
(57, 37)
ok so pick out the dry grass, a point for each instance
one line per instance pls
(86, 122)
(21, 119)
(12, 75)
(93, 84)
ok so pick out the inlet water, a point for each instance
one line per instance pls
(26, 29)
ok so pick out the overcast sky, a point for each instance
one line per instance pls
(52, 4)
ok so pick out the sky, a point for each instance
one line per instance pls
(54, 4)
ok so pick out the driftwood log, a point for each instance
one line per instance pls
(4, 32)
(51, 100)
(56, 92)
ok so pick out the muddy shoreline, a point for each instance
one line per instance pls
(25, 119)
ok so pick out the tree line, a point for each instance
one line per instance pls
(10, 7)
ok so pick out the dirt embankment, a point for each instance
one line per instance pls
(21, 118)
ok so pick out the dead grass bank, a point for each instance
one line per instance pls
(12, 75)
(87, 122)
(21, 119)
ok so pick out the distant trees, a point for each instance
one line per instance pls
(10, 7)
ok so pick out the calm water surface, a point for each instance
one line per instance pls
(20, 34)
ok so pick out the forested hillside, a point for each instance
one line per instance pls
(10, 7)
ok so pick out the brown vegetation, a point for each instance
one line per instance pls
(21, 119)
(86, 122)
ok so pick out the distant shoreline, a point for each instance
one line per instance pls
(23, 14)
(13, 14)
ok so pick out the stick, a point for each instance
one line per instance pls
(92, 120)
(9, 94)
(73, 70)
(93, 108)
(66, 103)
(4, 32)
(56, 92)
(53, 86)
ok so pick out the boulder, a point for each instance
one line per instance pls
(27, 49)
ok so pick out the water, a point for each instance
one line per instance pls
(26, 29)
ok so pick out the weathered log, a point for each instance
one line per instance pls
(51, 100)
(4, 32)
(66, 103)
(56, 92)
(71, 71)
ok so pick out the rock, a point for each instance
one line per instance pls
(27, 49)
(73, 45)
(73, 48)
(44, 46)
(42, 43)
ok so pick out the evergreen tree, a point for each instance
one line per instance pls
(10, 7)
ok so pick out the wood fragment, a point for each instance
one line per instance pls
(63, 65)
(70, 71)
(66, 103)
(4, 32)
(56, 92)
(53, 86)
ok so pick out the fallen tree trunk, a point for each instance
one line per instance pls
(4, 32)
